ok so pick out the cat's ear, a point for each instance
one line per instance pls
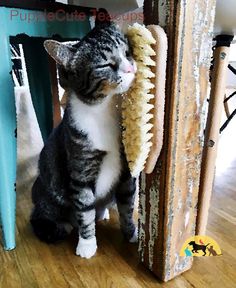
(58, 51)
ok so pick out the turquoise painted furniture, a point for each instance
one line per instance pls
(11, 26)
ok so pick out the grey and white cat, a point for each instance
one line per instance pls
(82, 167)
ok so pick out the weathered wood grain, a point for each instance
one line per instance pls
(55, 92)
(168, 197)
(212, 133)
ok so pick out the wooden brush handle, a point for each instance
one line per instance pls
(159, 91)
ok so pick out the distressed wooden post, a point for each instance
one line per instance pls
(168, 197)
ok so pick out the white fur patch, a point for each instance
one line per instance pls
(102, 214)
(106, 215)
(101, 124)
(134, 238)
(86, 248)
(127, 78)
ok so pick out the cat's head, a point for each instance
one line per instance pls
(98, 66)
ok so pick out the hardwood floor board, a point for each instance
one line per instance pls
(116, 265)
(224, 215)
(225, 231)
(10, 276)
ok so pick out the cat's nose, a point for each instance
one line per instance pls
(129, 68)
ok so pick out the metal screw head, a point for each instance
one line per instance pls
(222, 55)
(211, 143)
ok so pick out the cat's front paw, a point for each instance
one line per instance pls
(134, 238)
(86, 248)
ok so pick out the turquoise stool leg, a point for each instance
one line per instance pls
(7, 146)
(39, 81)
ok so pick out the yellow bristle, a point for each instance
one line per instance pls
(136, 106)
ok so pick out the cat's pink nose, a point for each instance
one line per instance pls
(129, 69)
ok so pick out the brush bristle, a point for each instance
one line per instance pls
(136, 107)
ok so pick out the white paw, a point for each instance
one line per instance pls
(86, 248)
(106, 215)
(134, 238)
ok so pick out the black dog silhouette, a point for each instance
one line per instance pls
(197, 247)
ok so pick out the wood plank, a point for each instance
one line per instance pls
(212, 133)
(55, 92)
(169, 196)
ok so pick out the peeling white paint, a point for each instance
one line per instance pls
(203, 118)
(190, 185)
(154, 218)
(181, 263)
(202, 39)
(142, 216)
(196, 74)
(186, 219)
(207, 36)
(197, 36)
(163, 9)
(180, 204)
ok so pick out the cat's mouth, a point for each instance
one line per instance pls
(119, 87)
(125, 80)
(108, 88)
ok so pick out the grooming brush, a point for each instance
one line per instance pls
(143, 105)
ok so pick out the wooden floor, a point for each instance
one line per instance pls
(35, 264)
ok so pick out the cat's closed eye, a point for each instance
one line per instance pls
(114, 66)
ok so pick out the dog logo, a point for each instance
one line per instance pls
(200, 246)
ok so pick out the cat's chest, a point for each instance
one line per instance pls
(101, 125)
(102, 131)
(104, 134)
(99, 122)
